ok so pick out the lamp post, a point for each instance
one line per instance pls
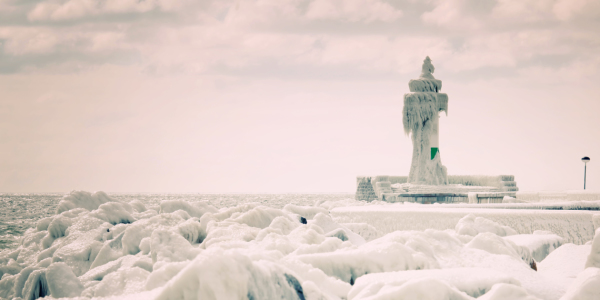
(585, 160)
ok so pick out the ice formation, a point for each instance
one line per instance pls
(192, 250)
(420, 117)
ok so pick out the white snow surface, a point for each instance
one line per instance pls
(574, 226)
(96, 247)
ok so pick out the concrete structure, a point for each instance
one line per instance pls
(427, 181)
(488, 189)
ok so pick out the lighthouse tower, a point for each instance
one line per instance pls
(421, 120)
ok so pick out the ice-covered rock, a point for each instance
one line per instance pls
(472, 281)
(231, 275)
(194, 209)
(334, 229)
(540, 243)
(385, 255)
(82, 199)
(594, 257)
(62, 282)
(169, 246)
(122, 250)
(114, 213)
(586, 286)
(504, 291)
(472, 225)
(417, 289)
(308, 212)
(495, 244)
(259, 217)
(564, 264)
(133, 235)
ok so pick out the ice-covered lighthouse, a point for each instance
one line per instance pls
(428, 180)
(420, 117)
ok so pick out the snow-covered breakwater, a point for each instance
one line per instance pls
(99, 247)
(575, 226)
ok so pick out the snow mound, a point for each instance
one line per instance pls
(195, 209)
(503, 291)
(540, 243)
(471, 225)
(418, 289)
(82, 199)
(232, 275)
(472, 281)
(586, 286)
(594, 257)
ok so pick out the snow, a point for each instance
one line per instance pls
(471, 281)
(62, 282)
(594, 257)
(574, 226)
(554, 196)
(540, 243)
(332, 250)
(586, 286)
(564, 263)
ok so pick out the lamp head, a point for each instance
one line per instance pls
(585, 159)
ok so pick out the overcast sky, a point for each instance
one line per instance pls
(290, 95)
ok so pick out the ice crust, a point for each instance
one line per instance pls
(574, 226)
(190, 250)
(420, 117)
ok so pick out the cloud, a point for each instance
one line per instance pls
(353, 10)
(300, 37)
(56, 10)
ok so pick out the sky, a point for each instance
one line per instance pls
(291, 96)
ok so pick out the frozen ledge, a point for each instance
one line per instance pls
(575, 226)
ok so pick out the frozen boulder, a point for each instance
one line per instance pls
(163, 273)
(62, 282)
(171, 247)
(472, 225)
(135, 232)
(36, 285)
(472, 281)
(349, 264)
(585, 287)
(122, 282)
(259, 217)
(417, 289)
(231, 275)
(82, 199)
(504, 291)
(365, 230)
(194, 209)
(334, 229)
(58, 226)
(11, 268)
(594, 257)
(192, 230)
(228, 233)
(114, 213)
(540, 243)
(7, 284)
(308, 212)
(110, 251)
(138, 205)
(79, 253)
(497, 245)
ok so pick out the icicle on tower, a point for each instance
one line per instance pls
(421, 120)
